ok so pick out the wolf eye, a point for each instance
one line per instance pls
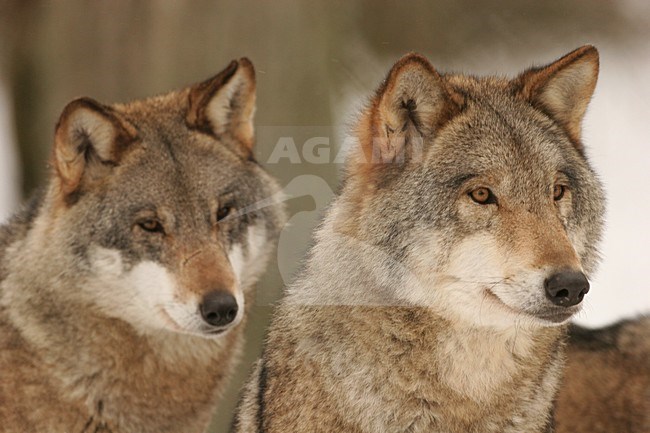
(483, 195)
(558, 192)
(151, 226)
(224, 211)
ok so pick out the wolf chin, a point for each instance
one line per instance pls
(437, 295)
(125, 283)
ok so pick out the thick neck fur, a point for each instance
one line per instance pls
(422, 367)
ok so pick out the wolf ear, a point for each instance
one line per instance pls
(225, 105)
(409, 106)
(563, 88)
(90, 138)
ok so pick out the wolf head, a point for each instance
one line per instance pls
(159, 208)
(479, 189)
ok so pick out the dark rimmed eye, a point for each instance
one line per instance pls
(151, 226)
(224, 210)
(558, 192)
(483, 195)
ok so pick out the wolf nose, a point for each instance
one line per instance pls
(219, 308)
(566, 288)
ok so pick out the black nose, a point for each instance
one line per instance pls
(219, 308)
(566, 288)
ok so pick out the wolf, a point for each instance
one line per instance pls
(441, 281)
(606, 385)
(124, 284)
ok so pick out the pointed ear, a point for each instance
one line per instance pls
(563, 88)
(408, 108)
(90, 138)
(225, 105)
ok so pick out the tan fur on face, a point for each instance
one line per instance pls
(543, 242)
(206, 270)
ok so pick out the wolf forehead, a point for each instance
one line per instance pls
(166, 151)
(495, 130)
(503, 140)
(171, 165)
(161, 128)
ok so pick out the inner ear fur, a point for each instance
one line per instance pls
(224, 106)
(408, 108)
(90, 138)
(564, 88)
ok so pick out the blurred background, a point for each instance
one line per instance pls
(316, 63)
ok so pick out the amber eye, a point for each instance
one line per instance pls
(151, 226)
(483, 195)
(224, 211)
(558, 192)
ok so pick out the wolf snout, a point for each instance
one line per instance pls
(219, 308)
(566, 288)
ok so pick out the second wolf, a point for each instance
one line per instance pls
(437, 294)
